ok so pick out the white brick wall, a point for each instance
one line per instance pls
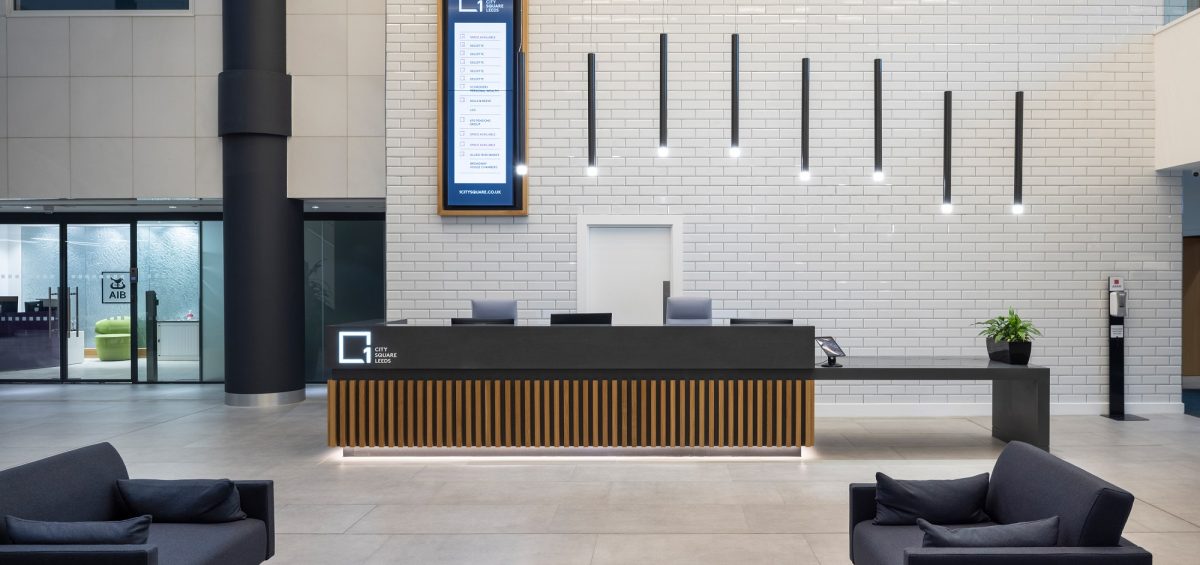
(877, 266)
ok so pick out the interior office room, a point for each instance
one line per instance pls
(599, 282)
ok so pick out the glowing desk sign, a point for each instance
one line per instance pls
(481, 133)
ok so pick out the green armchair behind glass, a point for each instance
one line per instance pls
(113, 339)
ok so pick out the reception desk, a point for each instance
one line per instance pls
(640, 388)
(581, 387)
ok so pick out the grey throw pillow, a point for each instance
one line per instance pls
(955, 501)
(31, 532)
(183, 502)
(1040, 533)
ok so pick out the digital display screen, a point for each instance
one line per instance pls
(481, 39)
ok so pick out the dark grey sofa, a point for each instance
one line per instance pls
(81, 485)
(1026, 484)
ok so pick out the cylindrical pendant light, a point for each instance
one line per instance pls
(947, 151)
(522, 168)
(805, 173)
(878, 175)
(1019, 157)
(591, 115)
(735, 149)
(663, 148)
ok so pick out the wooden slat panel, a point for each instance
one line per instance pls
(331, 412)
(807, 407)
(722, 423)
(571, 413)
(693, 421)
(577, 426)
(758, 413)
(370, 410)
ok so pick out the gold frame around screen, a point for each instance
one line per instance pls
(441, 95)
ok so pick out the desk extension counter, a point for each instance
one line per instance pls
(613, 387)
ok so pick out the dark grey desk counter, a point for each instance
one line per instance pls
(1020, 393)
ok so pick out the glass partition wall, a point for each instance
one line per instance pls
(100, 344)
(75, 301)
(143, 300)
(30, 336)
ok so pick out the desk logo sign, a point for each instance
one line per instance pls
(354, 348)
(114, 287)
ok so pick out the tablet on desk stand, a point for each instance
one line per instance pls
(832, 349)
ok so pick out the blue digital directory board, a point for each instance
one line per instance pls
(481, 87)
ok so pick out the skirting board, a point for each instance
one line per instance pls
(979, 409)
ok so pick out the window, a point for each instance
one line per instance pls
(100, 5)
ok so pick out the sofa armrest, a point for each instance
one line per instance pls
(1128, 554)
(78, 554)
(862, 508)
(258, 502)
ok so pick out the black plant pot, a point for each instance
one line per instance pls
(1011, 352)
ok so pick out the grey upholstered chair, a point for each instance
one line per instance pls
(689, 311)
(1026, 484)
(493, 309)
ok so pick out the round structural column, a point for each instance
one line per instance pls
(264, 230)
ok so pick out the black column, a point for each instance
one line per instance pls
(264, 252)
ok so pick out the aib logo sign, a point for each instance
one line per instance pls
(354, 348)
(114, 288)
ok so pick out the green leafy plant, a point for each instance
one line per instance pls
(1010, 328)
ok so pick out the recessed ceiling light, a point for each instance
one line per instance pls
(315, 207)
(172, 207)
(28, 207)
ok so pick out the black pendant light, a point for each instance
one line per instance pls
(805, 172)
(1018, 206)
(735, 150)
(521, 168)
(947, 151)
(663, 149)
(878, 175)
(591, 115)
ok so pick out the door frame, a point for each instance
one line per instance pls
(583, 243)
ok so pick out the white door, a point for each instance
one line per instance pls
(626, 267)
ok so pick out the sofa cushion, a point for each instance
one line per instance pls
(76, 486)
(875, 544)
(233, 543)
(185, 502)
(1030, 484)
(123, 532)
(955, 501)
(1041, 533)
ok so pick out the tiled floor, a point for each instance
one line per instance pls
(577, 510)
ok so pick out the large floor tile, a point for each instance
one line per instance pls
(526, 549)
(703, 549)
(650, 518)
(457, 519)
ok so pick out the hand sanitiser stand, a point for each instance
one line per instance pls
(1116, 352)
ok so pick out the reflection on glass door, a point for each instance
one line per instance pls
(29, 326)
(98, 270)
(168, 260)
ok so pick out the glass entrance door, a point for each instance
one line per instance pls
(98, 272)
(168, 263)
(30, 336)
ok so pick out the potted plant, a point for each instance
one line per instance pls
(1009, 338)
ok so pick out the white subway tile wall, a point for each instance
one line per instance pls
(876, 265)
